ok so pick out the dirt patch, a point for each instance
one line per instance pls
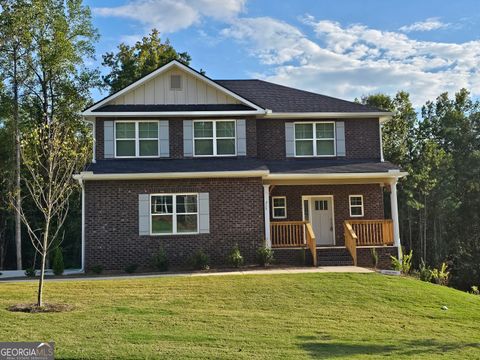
(46, 308)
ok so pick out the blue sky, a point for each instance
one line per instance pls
(340, 48)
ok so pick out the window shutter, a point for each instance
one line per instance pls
(340, 138)
(241, 137)
(187, 138)
(289, 139)
(144, 214)
(163, 138)
(108, 138)
(203, 213)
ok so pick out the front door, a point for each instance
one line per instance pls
(322, 220)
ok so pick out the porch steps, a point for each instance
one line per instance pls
(337, 256)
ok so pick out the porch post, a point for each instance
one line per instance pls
(266, 212)
(396, 226)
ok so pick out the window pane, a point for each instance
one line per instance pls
(325, 131)
(356, 200)
(186, 223)
(186, 203)
(162, 224)
(303, 131)
(203, 129)
(148, 147)
(304, 147)
(125, 147)
(325, 147)
(279, 202)
(226, 147)
(162, 204)
(226, 129)
(279, 212)
(356, 210)
(148, 130)
(203, 147)
(125, 130)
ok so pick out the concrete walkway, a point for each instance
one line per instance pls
(302, 270)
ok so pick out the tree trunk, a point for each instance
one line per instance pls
(42, 267)
(425, 229)
(18, 198)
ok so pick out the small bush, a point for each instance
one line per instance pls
(441, 276)
(425, 273)
(264, 256)
(130, 269)
(30, 272)
(58, 266)
(374, 254)
(475, 290)
(235, 258)
(405, 266)
(97, 269)
(201, 261)
(160, 260)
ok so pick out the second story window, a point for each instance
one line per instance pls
(214, 138)
(136, 138)
(315, 139)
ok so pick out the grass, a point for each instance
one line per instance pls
(289, 316)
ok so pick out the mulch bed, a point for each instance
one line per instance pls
(46, 308)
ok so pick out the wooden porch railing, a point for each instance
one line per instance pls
(311, 242)
(372, 232)
(287, 233)
(351, 241)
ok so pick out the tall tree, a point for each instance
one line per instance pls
(131, 63)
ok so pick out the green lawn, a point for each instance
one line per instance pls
(256, 316)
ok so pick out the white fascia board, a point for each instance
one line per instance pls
(286, 176)
(88, 175)
(319, 115)
(164, 69)
(173, 113)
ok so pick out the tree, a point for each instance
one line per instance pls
(131, 63)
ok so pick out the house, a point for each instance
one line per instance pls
(183, 162)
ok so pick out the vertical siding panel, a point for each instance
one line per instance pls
(140, 95)
(201, 92)
(169, 94)
(191, 90)
(159, 90)
(211, 95)
(221, 97)
(150, 92)
(130, 98)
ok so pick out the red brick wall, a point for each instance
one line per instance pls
(111, 222)
(372, 199)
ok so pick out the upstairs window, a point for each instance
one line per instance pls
(356, 205)
(315, 139)
(136, 138)
(175, 82)
(214, 138)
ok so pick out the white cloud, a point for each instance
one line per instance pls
(173, 15)
(427, 25)
(355, 60)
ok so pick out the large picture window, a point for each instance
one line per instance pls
(315, 139)
(174, 214)
(136, 138)
(214, 137)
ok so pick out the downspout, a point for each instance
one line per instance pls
(381, 140)
(266, 213)
(82, 185)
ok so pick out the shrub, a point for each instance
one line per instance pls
(441, 275)
(130, 269)
(405, 266)
(30, 272)
(160, 260)
(201, 261)
(97, 269)
(264, 256)
(475, 290)
(374, 254)
(57, 262)
(425, 273)
(235, 258)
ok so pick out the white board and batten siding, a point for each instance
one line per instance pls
(157, 91)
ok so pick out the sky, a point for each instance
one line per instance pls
(341, 48)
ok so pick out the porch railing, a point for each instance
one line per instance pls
(372, 232)
(350, 241)
(311, 242)
(287, 233)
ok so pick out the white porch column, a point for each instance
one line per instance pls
(266, 212)
(394, 207)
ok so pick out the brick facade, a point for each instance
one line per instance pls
(372, 201)
(364, 256)
(111, 222)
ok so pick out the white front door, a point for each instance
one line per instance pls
(322, 219)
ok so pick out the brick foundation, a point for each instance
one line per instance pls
(364, 256)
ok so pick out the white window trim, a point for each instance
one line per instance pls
(174, 215)
(279, 207)
(137, 139)
(314, 139)
(350, 206)
(214, 137)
